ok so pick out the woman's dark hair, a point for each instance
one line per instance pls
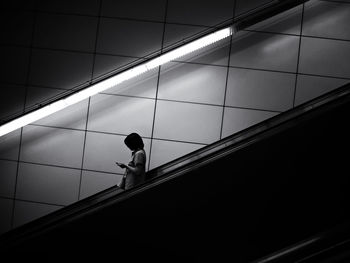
(134, 141)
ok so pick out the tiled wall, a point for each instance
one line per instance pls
(48, 47)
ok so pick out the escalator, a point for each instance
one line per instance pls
(265, 189)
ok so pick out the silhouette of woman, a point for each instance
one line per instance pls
(135, 170)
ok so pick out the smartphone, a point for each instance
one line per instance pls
(121, 165)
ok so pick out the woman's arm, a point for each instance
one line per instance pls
(137, 170)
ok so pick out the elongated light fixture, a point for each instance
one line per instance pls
(115, 80)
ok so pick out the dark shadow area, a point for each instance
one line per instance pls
(287, 183)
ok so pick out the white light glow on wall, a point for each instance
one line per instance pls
(115, 80)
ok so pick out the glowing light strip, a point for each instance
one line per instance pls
(115, 80)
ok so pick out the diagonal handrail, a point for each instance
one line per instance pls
(182, 165)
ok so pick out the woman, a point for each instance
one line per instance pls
(136, 169)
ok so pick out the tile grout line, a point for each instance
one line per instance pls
(89, 100)
(227, 75)
(24, 105)
(157, 88)
(298, 59)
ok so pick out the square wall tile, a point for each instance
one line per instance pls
(310, 87)
(81, 7)
(60, 69)
(107, 64)
(94, 182)
(175, 33)
(11, 100)
(6, 206)
(8, 173)
(103, 150)
(192, 82)
(327, 19)
(54, 146)
(73, 117)
(38, 95)
(198, 12)
(187, 122)
(325, 57)
(129, 38)
(260, 89)
(26, 212)
(9, 145)
(236, 120)
(167, 151)
(288, 22)
(16, 27)
(122, 115)
(65, 32)
(47, 184)
(144, 85)
(265, 51)
(153, 10)
(14, 64)
(214, 54)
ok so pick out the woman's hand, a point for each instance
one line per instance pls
(121, 165)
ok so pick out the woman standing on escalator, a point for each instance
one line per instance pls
(135, 170)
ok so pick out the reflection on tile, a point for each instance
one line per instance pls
(103, 150)
(166, 151)
(144, 85)
(310, 87)
(243, 6)
(6, 214)
(265, 51)
(123, 115)
(81, 7)
(37, 96)
(105, 64)
(194, 83)
(325, 57)
(260, 89)
(11, 100)
(65, 32)
(214, 54)
(176, 33)
(9, 145)
(73, 117)
(14, 64)
(197, 12)
(16, 27)
(94, 182)
(52, 146)
(129, 38)
(288, 22)
(236, 120)
(8, 172)
(187, 122)
(153, 10)
(27, 211)
(327, 19)
(47, 184)
(60, 69)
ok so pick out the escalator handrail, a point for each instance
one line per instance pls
(179, 166)
(312, 247)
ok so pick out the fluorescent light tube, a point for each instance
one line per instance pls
(115, 80)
